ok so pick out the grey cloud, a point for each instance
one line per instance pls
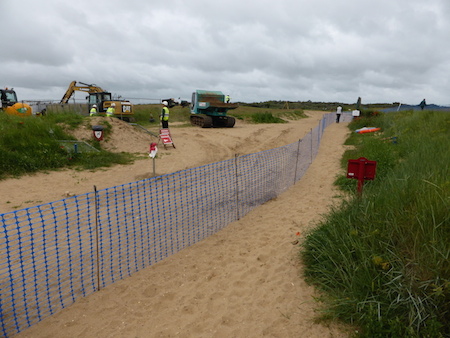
(288, 50)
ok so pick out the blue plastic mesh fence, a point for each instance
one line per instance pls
(264, 175)
(144, 222)
(46, 260)
(52, 254)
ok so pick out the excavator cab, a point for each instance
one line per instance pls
(9, 97)
(11, 105)
(103, 100)
(99, 99)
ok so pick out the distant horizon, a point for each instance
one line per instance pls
(134, 100)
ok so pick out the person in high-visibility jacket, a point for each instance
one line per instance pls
(164, 117)
(93, 111)
(111, 109)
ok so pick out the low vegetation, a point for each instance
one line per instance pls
(266, 115)
(383, 260)
(34, 144)
(322, 106)
(148, 114)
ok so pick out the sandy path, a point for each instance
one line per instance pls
(244, 281)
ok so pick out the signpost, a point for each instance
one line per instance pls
(361, 169)
(152, 154)
(98, 132)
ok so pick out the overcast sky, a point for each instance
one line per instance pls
(297, 50)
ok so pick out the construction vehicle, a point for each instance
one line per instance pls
(209, 109)
(172, 102)
(11, 105)
(102, 99)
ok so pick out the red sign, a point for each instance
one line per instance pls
(361, 169)
(98, 132)
(153, 150)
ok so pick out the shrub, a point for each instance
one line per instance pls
(265, 118)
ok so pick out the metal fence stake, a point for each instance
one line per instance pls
(237, 185)
(296, 162)
(97, 238)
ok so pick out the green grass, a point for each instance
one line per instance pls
(383, 261)
(266, 118)
(144, 112)
(32, 144)
(266, 115)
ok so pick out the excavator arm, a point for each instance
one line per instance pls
(84, 87)
(69, 92)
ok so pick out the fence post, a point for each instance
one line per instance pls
(296, 162)
(323, 127)
(97, 238)
(311, 146)
(318, 132)
(237, 184)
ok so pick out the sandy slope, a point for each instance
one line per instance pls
(194, 147)
(244, 281)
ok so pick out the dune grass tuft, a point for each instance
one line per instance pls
(383, 260)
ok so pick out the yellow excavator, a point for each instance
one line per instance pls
(102, 99)
(11, 105)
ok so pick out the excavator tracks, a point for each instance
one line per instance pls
(206, 121)
(203, 121)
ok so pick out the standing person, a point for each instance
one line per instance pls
(338, 113)
(93, 111)
(227, 98)
(111, 109)
(358, 104)
(164, 117)
(423, 104)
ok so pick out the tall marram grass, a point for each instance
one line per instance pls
(383, 260)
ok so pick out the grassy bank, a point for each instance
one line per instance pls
(33, 144)
(383, 261)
